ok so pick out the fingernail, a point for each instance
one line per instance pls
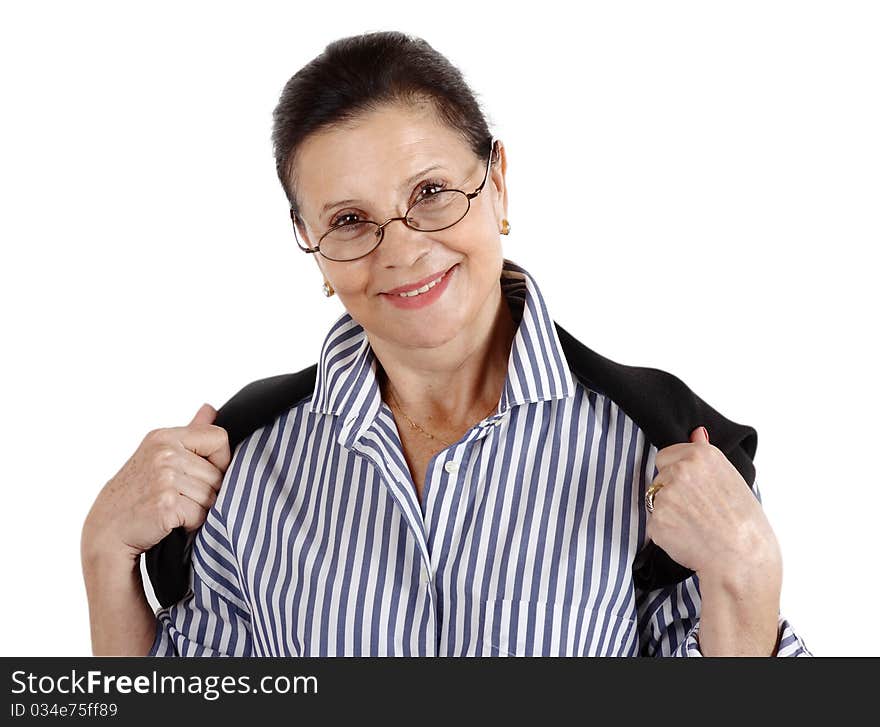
(706, 432)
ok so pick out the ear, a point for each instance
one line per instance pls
(497, 176)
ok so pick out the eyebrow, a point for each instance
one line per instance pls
(406, 183)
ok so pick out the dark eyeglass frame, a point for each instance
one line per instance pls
(381, 228)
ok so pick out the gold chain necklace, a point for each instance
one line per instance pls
(416, 426)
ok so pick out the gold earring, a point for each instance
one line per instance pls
(328, 289)
(505, 227)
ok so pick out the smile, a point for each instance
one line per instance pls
(424, 289)
(424, 296)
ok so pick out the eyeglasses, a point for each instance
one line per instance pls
(432, 212)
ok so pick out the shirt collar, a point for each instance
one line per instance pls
(346, 384)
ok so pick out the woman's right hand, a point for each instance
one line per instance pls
(172, 479)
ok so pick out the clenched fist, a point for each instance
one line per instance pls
(172, 479)
(706, 517)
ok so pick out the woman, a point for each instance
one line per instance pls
(448, 488)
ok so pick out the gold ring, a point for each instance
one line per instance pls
(649, 495)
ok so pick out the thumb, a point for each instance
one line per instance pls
(205, 415)
(700, 434)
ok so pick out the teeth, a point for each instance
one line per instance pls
(424, 289)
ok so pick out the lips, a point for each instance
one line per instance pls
(418, 284)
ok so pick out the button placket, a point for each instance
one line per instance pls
(431, 605)
(458, 457)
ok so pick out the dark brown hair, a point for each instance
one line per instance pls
(362, 73)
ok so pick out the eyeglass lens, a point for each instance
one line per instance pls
(436, 211)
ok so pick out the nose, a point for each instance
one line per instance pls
(415, 243)
(388, 222)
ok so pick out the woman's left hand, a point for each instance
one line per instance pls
(706, 516)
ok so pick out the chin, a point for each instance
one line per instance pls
(426, 340)
(426, 336)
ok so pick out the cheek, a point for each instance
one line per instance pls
(477, 252)
(350, 280)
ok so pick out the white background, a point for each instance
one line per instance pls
(694, 185)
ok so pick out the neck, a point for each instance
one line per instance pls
(459, 381)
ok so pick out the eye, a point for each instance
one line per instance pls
(426, 189)
(345, 219)
(435, 185)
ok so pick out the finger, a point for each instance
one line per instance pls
(206, 440)
(677, 471)
(700, 434)
(190, 514)
(205, 415)
(675, 452)
(193, 466)
(197, 491)
(658, 484)
(672, 453)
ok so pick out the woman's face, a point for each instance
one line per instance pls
(369, 162)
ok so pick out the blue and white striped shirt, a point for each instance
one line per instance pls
(523, 544)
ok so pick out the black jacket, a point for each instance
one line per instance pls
(658, 402)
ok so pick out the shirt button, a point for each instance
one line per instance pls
(451, 467)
